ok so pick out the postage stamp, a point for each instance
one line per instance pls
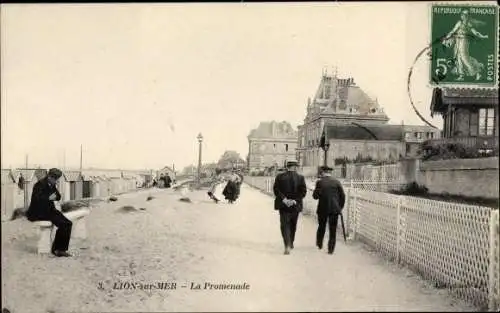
(464, 45)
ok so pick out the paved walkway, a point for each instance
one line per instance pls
(203, 242)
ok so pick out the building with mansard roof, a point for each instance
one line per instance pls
(354, 124)
(271, 144)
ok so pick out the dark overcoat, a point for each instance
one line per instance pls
(290, 185)
(41, 208)
(330, 196)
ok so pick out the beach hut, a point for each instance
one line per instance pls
(116, 183)
(129, 181)
(30, 176)
(96, 182)
(87, 186)
(64, 188)
(75, 181)
(8, 194)
(105, 186)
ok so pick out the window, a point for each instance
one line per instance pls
(407, 135)
(286, 147)
(432, 135)
(486, 122)
(416, 135)
(274, 146)
(327, 92)
(474, 118)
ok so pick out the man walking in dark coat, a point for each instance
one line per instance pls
(289, 189)
(331, 200)
(42, 208)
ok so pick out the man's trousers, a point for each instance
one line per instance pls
(288, 224)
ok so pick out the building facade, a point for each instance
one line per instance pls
(470, 115)
(271, 144)
(347, 118)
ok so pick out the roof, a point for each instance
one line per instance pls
(166, 169)
(7, 176)
(471, 92)
(274, 129)
(358, 98)
(416, 128)
(365, 132)
(442, 97)
(72, 175)
(29, 174)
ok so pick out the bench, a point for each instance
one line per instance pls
(47, 229)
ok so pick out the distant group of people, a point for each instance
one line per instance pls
(290, 189)
(163, 182)
(227, 186)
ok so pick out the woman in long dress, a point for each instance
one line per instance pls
(459, 40)
(216, 190)
(232, 190)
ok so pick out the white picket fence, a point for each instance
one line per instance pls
(454, 245)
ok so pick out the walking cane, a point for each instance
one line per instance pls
(343, 226)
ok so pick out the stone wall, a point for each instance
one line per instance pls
(467, 177)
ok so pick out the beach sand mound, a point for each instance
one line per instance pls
(127, 209)
(74, 205)
(113, 198)
(18, 213)
(185, 199)
(150, 198)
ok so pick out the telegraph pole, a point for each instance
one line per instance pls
(81, 158)
(25, 186)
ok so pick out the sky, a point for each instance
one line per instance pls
(134, 84)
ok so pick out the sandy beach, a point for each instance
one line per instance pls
(202, 244)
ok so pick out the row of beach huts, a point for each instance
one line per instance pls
(17, 185)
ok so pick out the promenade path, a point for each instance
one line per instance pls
(200, 242)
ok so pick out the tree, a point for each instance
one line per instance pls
(230, 159)
(189, 170)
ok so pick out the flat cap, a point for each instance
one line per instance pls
(55, 172)
(292, 163)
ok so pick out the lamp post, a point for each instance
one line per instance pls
(200, 140)
(325, 148)
(325, 145)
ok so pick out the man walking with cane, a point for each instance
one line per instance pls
(331, 200)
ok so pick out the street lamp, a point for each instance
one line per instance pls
(325, 148)
(325, 145)
(200, 140)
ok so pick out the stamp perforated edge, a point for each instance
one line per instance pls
(492, 85)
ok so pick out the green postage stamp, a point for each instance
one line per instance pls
(464, 43)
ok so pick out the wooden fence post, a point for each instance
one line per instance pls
(349, 211)
(399, 229)
(355, 211)
(494, 266)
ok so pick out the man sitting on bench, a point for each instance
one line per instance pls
(42, 208)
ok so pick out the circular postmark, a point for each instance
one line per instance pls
(463, 49)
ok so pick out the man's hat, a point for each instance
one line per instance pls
(55, 173)
(326, 169)
(292, 163)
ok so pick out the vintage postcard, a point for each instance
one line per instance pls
(250, 157)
